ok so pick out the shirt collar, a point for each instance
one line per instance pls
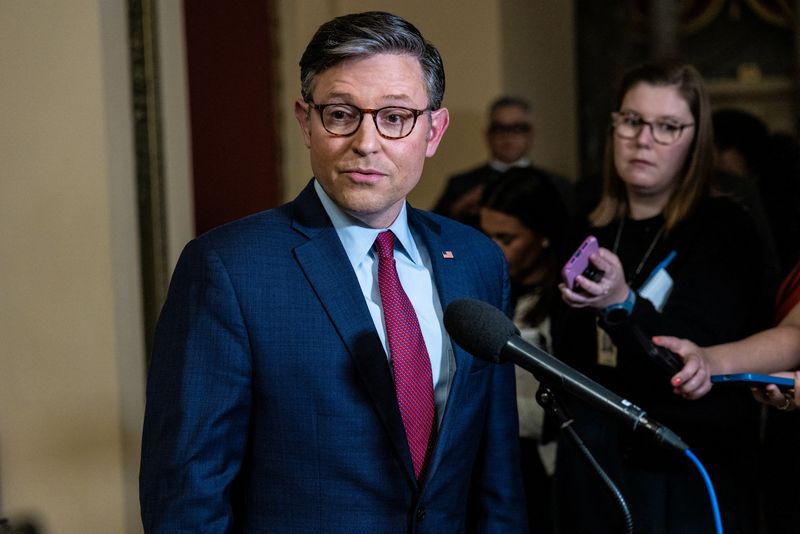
(499, 166)
(357, 238)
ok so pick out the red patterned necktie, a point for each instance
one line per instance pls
(411, 365)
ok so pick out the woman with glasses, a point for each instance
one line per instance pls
(675, 261)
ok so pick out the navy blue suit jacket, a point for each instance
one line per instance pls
(270, 402)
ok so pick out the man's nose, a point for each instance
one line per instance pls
(366, 139)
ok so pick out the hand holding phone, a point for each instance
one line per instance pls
(579, 263)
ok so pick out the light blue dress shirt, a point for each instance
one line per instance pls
(414, 269)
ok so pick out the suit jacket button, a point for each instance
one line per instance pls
(420, 514)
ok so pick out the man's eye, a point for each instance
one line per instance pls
(340, 114)
(395, 116)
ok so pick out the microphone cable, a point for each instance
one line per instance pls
(548, 400)
(616, 494)
(710, 487)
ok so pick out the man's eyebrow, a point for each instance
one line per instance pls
(348, 97)
(403, 97)
(340, 96)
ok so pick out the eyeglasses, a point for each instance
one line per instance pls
(629, 125)
(392, 122)
(513, 128)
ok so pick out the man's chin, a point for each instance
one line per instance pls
(375, 214)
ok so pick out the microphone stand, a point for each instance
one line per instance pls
(548, 400)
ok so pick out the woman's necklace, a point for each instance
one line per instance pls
(647, 253)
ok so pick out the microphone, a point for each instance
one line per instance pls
(485, 332)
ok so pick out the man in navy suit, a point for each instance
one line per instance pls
(271, 399)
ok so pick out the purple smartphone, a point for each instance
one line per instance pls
(579, 263)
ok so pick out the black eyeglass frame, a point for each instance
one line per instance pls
(374, 112)
(616, 116)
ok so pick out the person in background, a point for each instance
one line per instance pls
(780, 192)
(762, 170)
(741, 150)
(676, 261)
(774, 350)
(523, 213)
(301, 379)
(741, 143)
(509, 137)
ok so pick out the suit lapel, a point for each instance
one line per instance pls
(324, 262)
(449, 285)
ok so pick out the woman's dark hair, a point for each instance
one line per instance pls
(530, 196)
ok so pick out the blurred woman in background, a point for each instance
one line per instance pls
(524, 214)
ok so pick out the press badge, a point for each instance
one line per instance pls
(606, 350)
(659, 284)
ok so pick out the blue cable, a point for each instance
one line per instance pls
(711, 494)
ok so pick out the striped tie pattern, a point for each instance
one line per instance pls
(411, 366)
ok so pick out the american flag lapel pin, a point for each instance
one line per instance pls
(447, 254)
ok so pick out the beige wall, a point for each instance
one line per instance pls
(71, 375)
(539, 64)
(177, 167)
(489, 48)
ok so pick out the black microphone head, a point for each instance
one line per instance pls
(478, 327)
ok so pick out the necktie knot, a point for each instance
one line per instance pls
(385, 244)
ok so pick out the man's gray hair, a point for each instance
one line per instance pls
(361, 35)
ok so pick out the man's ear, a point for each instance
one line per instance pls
(440, 119)
(303, 116)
